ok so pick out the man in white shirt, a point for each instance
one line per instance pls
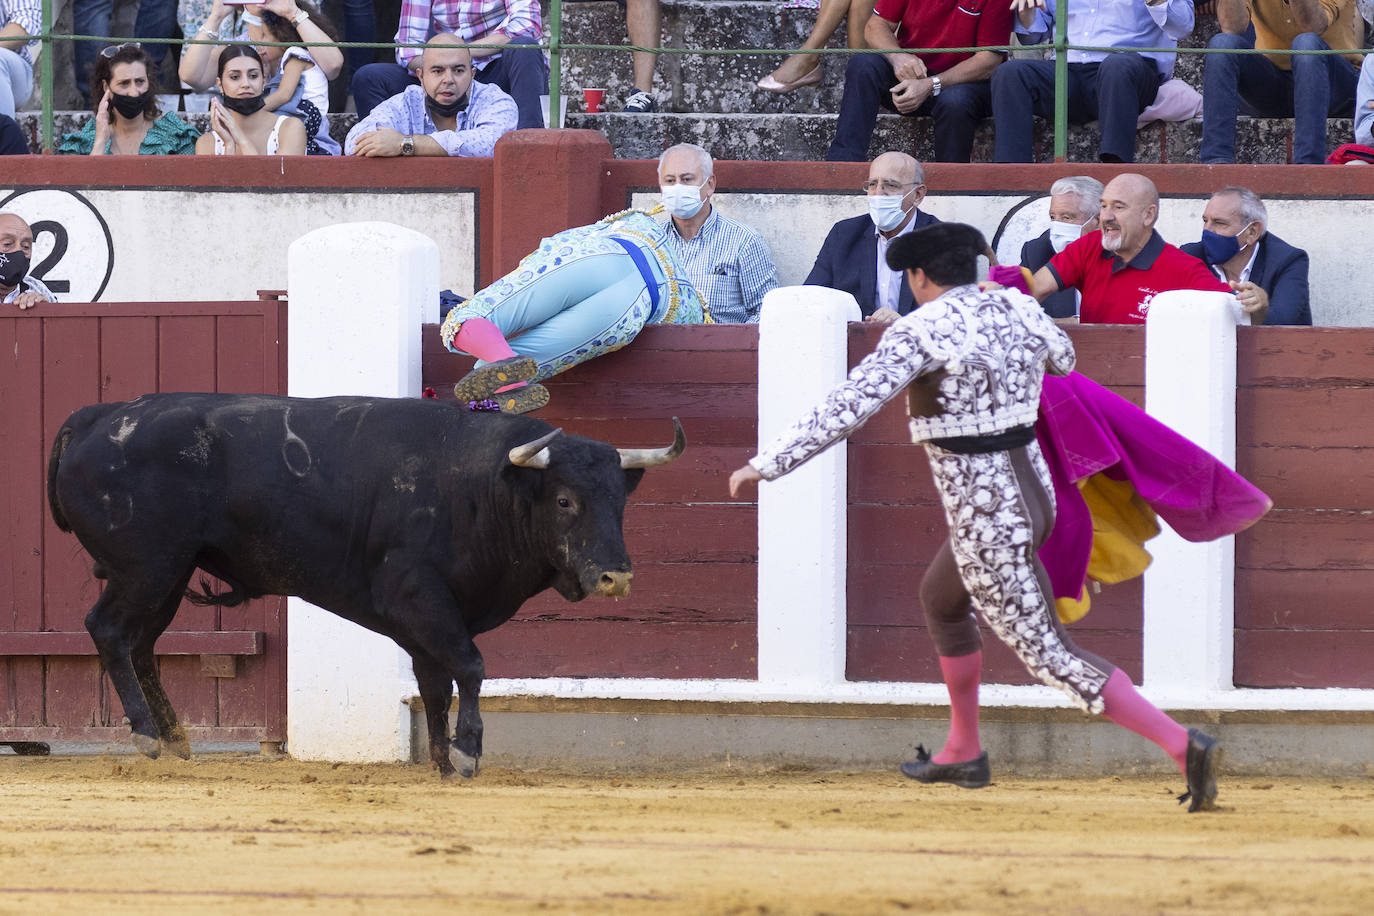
(854, 255)
(16, 252)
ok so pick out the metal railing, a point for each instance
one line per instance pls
(556, 49)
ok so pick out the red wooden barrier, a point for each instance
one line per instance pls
(224, 669)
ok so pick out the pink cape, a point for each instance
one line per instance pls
(1084, 429)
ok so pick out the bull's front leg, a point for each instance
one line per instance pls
(467, 738)
(436, 690)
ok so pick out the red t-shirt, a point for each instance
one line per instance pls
(947, 24)
(1117, 292)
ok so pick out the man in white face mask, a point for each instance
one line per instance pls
(1074, 204)
(726, 261)
(854, 255)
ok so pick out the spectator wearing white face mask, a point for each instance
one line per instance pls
(853, 257)
(1074, 205)
(726, 261)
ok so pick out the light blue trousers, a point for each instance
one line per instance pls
(16, 81)
(569, 312)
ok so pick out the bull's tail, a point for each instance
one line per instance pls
(233, 596)
(59, 445)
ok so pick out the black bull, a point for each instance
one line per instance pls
(423, 522)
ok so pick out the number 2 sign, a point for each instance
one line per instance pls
(73, 252)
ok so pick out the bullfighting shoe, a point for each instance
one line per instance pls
(1204, 753)
(481, 383)
(967, 774)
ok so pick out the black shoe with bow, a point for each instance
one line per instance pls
(967, 774)
(1204, 753)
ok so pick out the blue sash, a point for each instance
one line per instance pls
(645, 271)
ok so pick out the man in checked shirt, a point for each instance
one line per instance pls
(727, 262)
(519, 71)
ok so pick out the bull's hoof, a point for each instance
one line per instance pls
(147, 746)
(178, 744)
(465, 764)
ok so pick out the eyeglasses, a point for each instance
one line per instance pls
(888, 185)
(112, 50)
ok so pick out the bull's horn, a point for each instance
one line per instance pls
(534, 454)
(649, 457)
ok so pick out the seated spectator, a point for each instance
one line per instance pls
(225, 23)
(644, 22)
(1364, 104)
(1306, 88)
(1074, 204)
(12, 140)
(1111, 87)
(1268, 275)
(18, 17)
(240, 125)
(448, 114)
(853, 257)
(519, 71)
(126, 121)
(298, 78)
(805, 69)
(951, 87)
(1120, 267)
(585, 292)
(16, 248)
(727, 262)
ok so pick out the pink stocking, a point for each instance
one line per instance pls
(1124, 705)
(485, 341)
(962, 675)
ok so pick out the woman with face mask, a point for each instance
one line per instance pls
(240, 125)
(127, 122)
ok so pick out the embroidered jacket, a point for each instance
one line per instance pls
(993, 347)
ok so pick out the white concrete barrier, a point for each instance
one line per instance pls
(358, 294)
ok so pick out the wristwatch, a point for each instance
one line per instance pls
(408, 145)
(935, 87)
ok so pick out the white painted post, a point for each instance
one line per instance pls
(358, 294)
(803, 347)
(1190, 384)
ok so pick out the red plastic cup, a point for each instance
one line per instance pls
(592, 98)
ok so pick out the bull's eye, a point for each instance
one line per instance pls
(564, 502)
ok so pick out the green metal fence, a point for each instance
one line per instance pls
(556, 49)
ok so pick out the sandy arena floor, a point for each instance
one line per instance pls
(250, 834)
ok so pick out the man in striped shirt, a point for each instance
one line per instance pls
(727, 262)
(18, 17)
(519, 71)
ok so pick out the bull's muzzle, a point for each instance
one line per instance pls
(614, 584)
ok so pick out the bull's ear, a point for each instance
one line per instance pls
(632, 478)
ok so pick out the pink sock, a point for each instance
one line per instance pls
(485, 341)
(1124, 705)
(962, 675)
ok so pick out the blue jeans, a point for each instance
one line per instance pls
(16, 81)
(1318, 87)
(519, 71)
(868, 82)
(156, 19)
(1114, 91)
(89, 17)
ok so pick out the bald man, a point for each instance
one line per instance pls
(854, 255)
(1123, 265)
(16, 252)
(448, 114)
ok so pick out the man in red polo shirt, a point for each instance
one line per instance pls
(1121, 267)
(952, 88)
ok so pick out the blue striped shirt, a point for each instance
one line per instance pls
(730, 266)
(29, 14)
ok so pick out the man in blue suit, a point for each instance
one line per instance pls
(1269, 275)
(854, 256)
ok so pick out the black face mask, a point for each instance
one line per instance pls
(130, 106)
(13, 266)
(446, 111)
(244, 107)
